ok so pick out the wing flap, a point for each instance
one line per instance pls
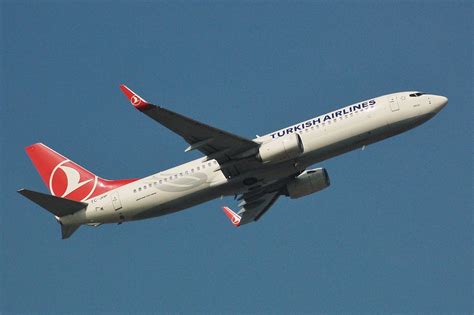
(256, 202)
(253, 211)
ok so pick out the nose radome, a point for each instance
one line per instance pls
(439, 102)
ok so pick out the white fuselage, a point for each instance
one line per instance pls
(200, 180)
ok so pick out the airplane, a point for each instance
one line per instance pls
(255, 171)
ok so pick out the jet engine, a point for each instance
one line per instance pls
(308, 182)
(282, 149)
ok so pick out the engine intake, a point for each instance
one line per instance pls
(308, 182)
(282, 149)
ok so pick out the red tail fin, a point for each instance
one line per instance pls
(66, 179)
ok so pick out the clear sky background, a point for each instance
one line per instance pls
(392, 234)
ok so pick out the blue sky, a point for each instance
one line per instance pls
(392, 234)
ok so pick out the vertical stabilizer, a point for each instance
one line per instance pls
(63, 177)
(67, 179)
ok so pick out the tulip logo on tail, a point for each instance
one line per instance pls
(66, 182)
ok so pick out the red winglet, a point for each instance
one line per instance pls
(134, 98)
(233, 217)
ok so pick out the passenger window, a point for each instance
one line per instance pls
(176, 176)
(198, 168)
(192, 170)
(203, 166)
(149, 185)
(186, 172)
(139, 189)
(209, 164)
(144, 187)
(134, 190)
(160, 181)
(181, 174)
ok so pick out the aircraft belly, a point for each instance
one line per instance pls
(405, 124)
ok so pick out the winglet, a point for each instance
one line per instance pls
(233, 217)
(137, 101)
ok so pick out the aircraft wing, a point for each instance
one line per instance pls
(253, 207)
(218, 144)
(255, 203)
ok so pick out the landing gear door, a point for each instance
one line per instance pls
(116, 200)
(393, 102)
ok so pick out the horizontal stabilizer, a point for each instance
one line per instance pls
(56, 205)
(67, 230)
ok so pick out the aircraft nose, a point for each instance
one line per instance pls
(439, 102)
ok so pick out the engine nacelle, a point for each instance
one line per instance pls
(282, 149)
(308, 182)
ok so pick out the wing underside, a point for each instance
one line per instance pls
(253, 208)
(256, 202)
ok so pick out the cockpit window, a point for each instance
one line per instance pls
(416, 94)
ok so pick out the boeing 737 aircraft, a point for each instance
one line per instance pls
(256, 171)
